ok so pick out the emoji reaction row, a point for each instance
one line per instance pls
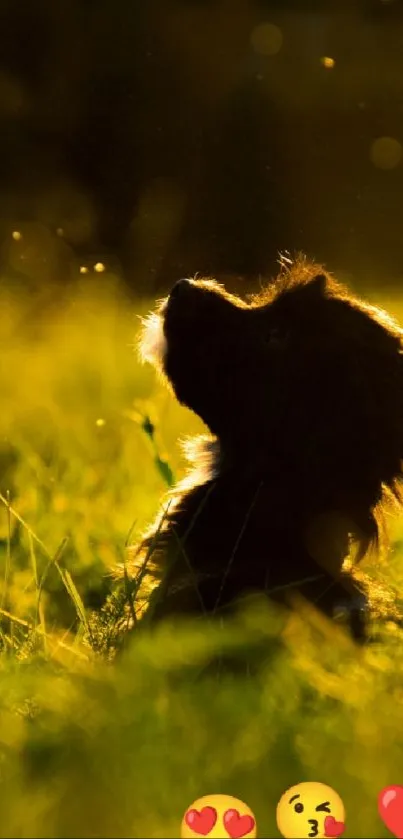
(309, 810)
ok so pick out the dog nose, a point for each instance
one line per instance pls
(180, 287)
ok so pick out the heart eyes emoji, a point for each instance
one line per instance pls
(218, 816)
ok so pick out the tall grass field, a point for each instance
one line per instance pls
(93, 745)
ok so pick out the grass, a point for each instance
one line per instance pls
(95, 748)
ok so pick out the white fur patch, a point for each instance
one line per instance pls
(152, 341)
(202, 453)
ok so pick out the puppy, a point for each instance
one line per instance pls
(301, 389)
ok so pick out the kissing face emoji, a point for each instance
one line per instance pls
(310, 810)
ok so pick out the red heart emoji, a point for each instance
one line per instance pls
(390, 804)
(236, 825)
(201, 822)
(333, 827)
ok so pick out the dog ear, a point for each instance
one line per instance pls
(317, 286)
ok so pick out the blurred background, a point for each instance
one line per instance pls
(162, 138)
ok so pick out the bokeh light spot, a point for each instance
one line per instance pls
(386, 152)
(17, 236)
(266, 39)
(100, 423)
(99, 267)
(328, 62)
(83, 269)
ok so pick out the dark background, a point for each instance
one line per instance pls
(168, 137)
